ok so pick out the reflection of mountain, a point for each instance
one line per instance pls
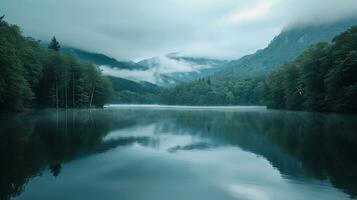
(301, 145)
(239, 130)
(297, 144)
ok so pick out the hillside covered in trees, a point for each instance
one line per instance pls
(323, 78)
(285, 47)
(215, 92)
(31, 76)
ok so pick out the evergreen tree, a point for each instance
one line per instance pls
(54, 45)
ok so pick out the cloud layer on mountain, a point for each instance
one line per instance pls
(137, 29)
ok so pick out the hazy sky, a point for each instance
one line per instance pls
(137, 29)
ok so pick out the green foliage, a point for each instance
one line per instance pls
(16, 73)
(54, 45)
(130, 97)
(274, 91)
(323, 78)
(31, 76)
(131, 92)
(217, 92)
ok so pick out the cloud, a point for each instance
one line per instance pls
(138, 29)
(158, 66)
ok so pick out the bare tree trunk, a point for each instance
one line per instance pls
(91, 117)
(65, 85)
(73, 90)
(91, 97)
(56, 94)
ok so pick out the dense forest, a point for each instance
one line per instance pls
(132, 92)
(215, 92)
(323, 78)
(31, 76)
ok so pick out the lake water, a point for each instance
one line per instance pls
(169, 153)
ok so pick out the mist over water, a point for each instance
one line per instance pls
(142, 152)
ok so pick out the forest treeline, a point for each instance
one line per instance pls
(323, 78)
(227, 91)
(32, 76)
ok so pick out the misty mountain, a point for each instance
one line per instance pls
(173, 69)
(101, 59)
(133, 87)
(285, 47)
(165, 71)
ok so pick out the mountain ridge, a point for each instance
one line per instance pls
(102, 59)
(285, 47)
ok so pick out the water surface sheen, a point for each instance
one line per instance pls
(160, 153)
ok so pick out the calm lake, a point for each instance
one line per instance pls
(169, 153)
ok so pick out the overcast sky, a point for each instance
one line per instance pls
(138, 29)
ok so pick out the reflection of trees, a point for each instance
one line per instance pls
(33, 142)
(298, 144)
(55, 169)
(30, 143)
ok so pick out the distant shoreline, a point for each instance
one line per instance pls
(181, 107)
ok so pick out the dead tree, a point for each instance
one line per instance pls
(91, 97)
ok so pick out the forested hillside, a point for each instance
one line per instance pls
(323, 78)
(127, 91)
(285, 47)
(207, 92)
(31, 76)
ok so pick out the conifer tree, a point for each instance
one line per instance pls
(54, 45)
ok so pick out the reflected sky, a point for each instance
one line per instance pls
(183, 154)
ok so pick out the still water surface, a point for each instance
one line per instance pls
(245, 153)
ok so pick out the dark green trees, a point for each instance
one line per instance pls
(54, 45)
(217, 92)
(325, 78)
(30, 76)
(67, 82)
(18, 68)
(341, 79)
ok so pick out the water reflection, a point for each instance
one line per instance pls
(119, 153)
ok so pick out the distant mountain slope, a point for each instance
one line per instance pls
(129, 92)
(283, 48)
(134, 90)
(101, 59)
(121, 84)
(173, 69)
(168, 70)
